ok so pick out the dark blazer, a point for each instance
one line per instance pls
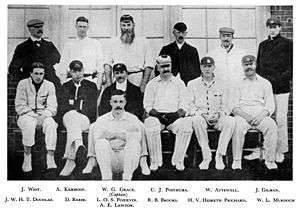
(27, 52)
(134, 99)
(275, 63)
(184, 60)
(86, 92)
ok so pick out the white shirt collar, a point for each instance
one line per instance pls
(35, 39)
(179, 45)
(121, 86)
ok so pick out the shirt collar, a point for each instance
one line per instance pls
(274, 38)
(159, 79)
(179, 45)
(230, 48)
(208, 84)
(247, 79)
(111, 117)
(78, 85)
(122, 86)
(35, 39)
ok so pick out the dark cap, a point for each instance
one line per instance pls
(163, 59)
(226, 30)
(180, 26)
(120, 67)
(34, 22)
(37, 65)
(126, 18)
(248, 59)
(208, 61)
(76, 65)
(273, 21)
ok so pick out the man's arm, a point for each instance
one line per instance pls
(21, 105)
(54, 55)
(145, 79)
(104, 106)
(51, 107)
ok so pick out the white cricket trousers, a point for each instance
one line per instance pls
(281, 112)
(267, 127)
(28, 124)
(125, 160)
(226, 125)
(91, 141)
(75, 123)
(182, 128)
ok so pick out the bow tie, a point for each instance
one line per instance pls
(37, 43)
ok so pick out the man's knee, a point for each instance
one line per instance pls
(185, 124)
(49, 123)
(229, 121)
(199, 121)
(270, 124)
(27, 122)
(152, 123)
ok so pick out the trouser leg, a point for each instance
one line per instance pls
(75, 123)
(131, 157)
(269, 129)
(49, 129)
(281, 103)
(27, 124)
(91, 141)
(105, 157)
(200, 126)
(238, 138)
(226, 125)
(152, 128)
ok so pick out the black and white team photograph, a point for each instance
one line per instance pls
(149, 92)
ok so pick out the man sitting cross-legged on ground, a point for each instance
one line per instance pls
(210, 109)
(254, 103)
(166, 102)
(117, 139)
(77, 104)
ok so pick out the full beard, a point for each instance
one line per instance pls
(127, 37)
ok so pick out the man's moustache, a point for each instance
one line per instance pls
(118, 108)
(180, 37)
(40, 31)
(166, 71)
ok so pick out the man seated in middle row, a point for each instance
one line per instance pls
(210, 107)
(134, 105)
(77, 104)
(166, 103)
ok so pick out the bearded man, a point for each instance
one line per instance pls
(133, 51)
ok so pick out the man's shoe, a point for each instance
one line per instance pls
(51, 162)
(219, 162)
(90, 165)
(144, 166)
(205, 164)
(270, 164)
(27, 167)
(68, 168)
(236, 164)
(279, 157)
(253, 156)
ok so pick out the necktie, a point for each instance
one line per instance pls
(37, 43)
(76, 92)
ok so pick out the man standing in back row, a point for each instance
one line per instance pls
(275, 63)
(185, 58)
(84, 49)
(133, 51)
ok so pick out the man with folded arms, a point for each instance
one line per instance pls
(77, 105)
(166, 103)
(254, 103)
(117, 138)
(210, 109)
(36, 105)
